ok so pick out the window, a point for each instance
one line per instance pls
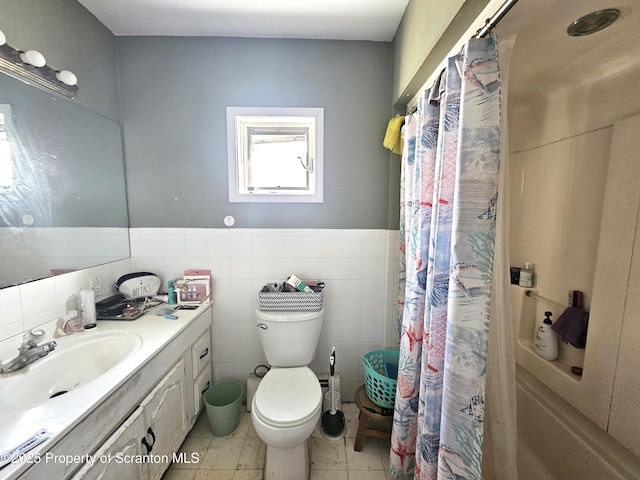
(6, 163)
(275, 154)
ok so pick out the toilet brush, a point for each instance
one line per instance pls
(333, 420)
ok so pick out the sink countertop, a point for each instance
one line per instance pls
(61, 414)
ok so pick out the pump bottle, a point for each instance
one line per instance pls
(526, 276)
(546, 344)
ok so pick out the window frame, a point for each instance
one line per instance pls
(7, 133)
(240, 120)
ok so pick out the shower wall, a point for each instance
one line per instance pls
(574, 214)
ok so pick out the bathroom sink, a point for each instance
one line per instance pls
(77, 361)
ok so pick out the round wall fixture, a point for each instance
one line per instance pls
(593, 22)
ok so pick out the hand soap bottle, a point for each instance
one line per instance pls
(526, 276)
(546, 344)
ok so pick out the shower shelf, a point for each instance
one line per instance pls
(568, 356)
(559, 365)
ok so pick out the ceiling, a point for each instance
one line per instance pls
(375, 20)
(545, 57)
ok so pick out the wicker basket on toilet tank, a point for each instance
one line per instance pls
(290, 301)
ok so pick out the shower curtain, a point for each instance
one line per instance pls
(450, 172)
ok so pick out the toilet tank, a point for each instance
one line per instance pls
(289, 339)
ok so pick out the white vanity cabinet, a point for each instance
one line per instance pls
(133, 432)
(165, 414)
(110, 461)
(143, 446)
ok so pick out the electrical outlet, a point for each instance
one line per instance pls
(96, 284)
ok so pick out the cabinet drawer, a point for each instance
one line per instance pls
(201, 353)
(204, 381)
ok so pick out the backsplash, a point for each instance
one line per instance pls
(358, 266)
(40, 303)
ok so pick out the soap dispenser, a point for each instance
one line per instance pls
(546, 344)
(526, 276)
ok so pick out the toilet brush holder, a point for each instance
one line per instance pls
(326, 405)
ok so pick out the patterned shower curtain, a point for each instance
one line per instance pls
(450, 170)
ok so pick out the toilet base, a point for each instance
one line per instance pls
(287, 463)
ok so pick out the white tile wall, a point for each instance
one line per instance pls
(40, 303)
(359, 267)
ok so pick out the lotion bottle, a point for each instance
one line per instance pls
(546, 344)
(526, 276)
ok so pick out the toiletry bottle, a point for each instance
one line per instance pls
(526, 276)
(546, 344)
(88, 307)
(172, 297)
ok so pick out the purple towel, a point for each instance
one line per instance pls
(571, 326)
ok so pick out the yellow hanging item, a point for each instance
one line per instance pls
(393, 138)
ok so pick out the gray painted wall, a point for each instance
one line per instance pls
(174, 93)
(70, 38)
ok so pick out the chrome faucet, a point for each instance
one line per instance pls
(29, 351)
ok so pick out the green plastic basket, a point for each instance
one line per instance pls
(380, 388)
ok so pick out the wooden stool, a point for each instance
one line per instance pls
(368, 410)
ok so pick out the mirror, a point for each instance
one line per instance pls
(62, 186)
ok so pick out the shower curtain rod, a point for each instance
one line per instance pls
(488, 26)
(495, 18)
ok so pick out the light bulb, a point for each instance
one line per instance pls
(33, 57)
(3, 38)
(67, 77)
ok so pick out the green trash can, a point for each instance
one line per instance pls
(223, 401)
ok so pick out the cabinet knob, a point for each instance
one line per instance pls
(205, 353)
(153, 436)
(147, 445)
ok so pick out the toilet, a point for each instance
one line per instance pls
(287, 404)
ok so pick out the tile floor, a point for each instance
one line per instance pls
(240, 456)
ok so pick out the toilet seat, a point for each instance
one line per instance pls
(287, 397)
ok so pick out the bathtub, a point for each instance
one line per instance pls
(557, 442)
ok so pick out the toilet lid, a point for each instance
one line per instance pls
(287, 397)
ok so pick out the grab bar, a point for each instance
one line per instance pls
(532, 294)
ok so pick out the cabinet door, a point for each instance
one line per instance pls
(166, 419)
(120, 456)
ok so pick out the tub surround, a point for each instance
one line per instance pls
(81, 420)
(574, 215)
(602, 272)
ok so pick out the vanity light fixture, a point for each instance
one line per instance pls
(31, 66)
(67, 77)
(33, 57)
